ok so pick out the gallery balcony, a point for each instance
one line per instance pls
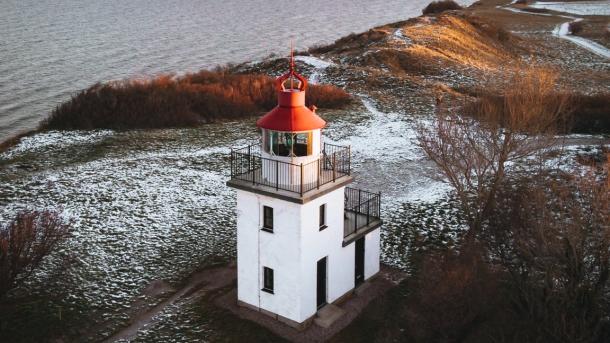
(297, 182)
(362, 213)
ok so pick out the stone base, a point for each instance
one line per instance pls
(295, 325)
(328, 315)
(328, 321)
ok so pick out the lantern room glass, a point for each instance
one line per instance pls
(288, 144)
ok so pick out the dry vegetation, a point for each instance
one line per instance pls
(467, 41)
(472, 152)
(580, 113)
(534, 263)
(441, 6)
(350, 42)
(432, 46)
(185, 101)
(24, 243)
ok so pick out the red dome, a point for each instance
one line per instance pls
(291, 114)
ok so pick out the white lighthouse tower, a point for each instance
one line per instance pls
(304, 239)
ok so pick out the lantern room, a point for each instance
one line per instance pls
(291, 131)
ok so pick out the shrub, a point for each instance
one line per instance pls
(25, 242)
(535, 10)
(490, 29)
(590, 114)
(185, 101)
(453, 296)
(581, 113)
(351, 41)
(576, 27)
(441, 6)
(553, 240)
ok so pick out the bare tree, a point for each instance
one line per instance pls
(25, 242)
(473, 147)
(553, 240)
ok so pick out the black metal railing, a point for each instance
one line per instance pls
(362, 208)
(247, 164)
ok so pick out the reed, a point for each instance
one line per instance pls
(168, 101)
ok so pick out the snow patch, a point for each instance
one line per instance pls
(577, 7)
(315, 62)
(318, 64)
(563, 31)
(399, 36)
(55, 140)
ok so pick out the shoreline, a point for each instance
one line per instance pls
(13, 139)
(504, 5)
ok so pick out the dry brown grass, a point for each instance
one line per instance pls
(577, 113)
(466, 41)
(167, 101)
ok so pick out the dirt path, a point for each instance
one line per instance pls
(197, 286)
(563, 30)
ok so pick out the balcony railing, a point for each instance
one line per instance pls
(362, 210)
(247, 164)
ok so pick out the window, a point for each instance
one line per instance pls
(288, 143)
(267, 218)
(268, 280)
(281, 143)
(301, 144)
(322, 217)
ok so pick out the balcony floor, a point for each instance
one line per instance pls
(260, 186)
(362, 229)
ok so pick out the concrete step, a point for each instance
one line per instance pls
(362, 288)
(327, 315)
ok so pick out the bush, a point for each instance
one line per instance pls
(553, 240)
(587, 114)
(576, 27)
(452, 298)
(535, 10)
(441, 6)
(186, 101)
(590, 114)
(25, 242)
(490, 29)
(351, 41)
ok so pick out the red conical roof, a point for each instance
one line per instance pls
(291, 114)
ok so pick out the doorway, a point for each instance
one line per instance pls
(321, 283)
(359, 263)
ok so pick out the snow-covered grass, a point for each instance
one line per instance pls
(55, 140)
(314, 62)
(149, 205)
(318, 65)
(601, 7)
(563, 31)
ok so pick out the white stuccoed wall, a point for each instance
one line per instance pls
(372, 246)
(317, 244)
(293, 250)
(279, 251)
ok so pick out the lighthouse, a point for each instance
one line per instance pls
(304, 238)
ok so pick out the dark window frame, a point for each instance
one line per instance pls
(268, 279)
(322, 217)
(267, 219)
